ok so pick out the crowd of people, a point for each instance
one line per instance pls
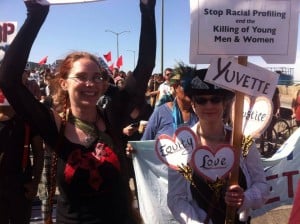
(78, 120)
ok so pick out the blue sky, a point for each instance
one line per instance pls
(82, 27)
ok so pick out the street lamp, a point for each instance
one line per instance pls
(117, 35)
(162, 37)
(133, 57)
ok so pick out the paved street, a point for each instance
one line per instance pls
(36, 216)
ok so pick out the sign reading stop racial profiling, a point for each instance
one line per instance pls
(266, 28)
(8, 31)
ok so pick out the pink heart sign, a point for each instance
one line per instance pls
(177, 150)
(212, 165)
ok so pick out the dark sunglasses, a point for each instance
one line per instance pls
(202, 101)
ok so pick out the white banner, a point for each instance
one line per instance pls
(152, 184)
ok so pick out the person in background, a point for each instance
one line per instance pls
(32, 85)
(165, 119)
(132, 132)
(45, 78)
(122, 74)
(296, 107)
(163, 93)
(200, 201)
(171, 115)
(119, 81)
(276, 115)
(91, 172)
(153, 84)
(19, 175)
(115, 72)
(52, 101)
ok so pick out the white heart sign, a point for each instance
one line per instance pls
(257, 115)
(213, 165)
(177, 150)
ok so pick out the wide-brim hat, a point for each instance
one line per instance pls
(198, 86)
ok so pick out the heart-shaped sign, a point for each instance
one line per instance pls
(257, 115)
(213, 165)
(177, 150)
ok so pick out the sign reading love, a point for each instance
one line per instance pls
(257, 115)
(177, 150)
(213, 165)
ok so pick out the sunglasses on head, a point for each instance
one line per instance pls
(202, 100)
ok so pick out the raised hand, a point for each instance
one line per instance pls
(148, 3)
(37, 7)
(32, 5)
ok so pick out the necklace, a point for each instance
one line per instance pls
(89, 128)
(212, 138)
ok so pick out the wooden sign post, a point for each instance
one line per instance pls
(237, 138)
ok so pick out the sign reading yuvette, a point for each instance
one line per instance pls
(265, 28)
(251, 80)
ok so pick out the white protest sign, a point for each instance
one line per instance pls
(176, 150)
(251, 80)
(8, 31)
(257, 114)
(213, 165)
(60, 2)
(266, 28)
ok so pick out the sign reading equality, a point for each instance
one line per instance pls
(266, 28)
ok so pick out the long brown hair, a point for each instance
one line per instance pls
(64, 71)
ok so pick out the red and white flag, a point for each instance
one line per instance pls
(43, 61)
(119, 62)
(107, 56)
(111, 67)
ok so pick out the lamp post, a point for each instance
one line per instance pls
(162, 37)
(133, 58)
(117, 35)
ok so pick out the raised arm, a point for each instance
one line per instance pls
(16, 56)
(137, 83)
(12, 68)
